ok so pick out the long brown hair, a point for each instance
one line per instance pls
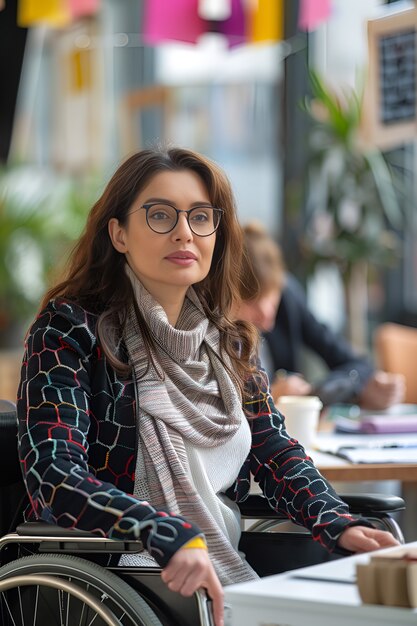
(96, 277)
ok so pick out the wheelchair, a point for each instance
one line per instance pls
(50, 576)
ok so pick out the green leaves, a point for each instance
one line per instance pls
(41, 214)
(352, 205)
(338, 115)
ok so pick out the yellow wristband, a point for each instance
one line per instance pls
(196, 542)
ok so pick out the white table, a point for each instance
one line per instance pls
(321, 595)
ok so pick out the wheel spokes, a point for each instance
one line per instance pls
(36, 605)
(4, 600)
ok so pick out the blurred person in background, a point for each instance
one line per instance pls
(275, 302)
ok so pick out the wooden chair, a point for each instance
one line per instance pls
(396, 352)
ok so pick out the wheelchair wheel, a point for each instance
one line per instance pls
(42, 605)
(60, 585)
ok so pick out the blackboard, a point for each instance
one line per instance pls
(390, 97)
(397, 76)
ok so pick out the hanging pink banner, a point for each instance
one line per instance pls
(172, 20)
(313, 13)
(234, 27)
(78, 8)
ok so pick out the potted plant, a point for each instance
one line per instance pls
(352, 207)
(41, 214)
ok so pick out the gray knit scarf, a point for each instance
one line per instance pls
(195, 400)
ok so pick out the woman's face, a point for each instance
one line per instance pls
(262, 311)
(173, 261)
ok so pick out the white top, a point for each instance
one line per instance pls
(213, 471)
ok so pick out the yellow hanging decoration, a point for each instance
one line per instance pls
(80, 70)
(266, 21)
(51, 12)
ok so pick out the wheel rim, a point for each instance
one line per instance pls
(123, 602)
(62, 587)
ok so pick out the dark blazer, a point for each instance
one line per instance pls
(297, 328)
(78, 446)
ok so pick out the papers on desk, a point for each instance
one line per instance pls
(379, 454)
(382, 447)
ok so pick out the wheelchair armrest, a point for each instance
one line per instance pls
(256, 506)
(43, 529)
(372, 503)
(52, 538)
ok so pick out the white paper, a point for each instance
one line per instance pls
(379, 455)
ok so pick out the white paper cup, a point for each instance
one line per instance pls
(302, 415)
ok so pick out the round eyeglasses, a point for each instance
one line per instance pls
(162, 218)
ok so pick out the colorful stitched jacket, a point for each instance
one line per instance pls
(78, 437)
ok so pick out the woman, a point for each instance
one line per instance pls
(279, 310)
(136, 379)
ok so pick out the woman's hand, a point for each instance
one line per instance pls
(191, 569)
(364, 539)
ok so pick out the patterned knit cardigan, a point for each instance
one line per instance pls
(78, 438)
